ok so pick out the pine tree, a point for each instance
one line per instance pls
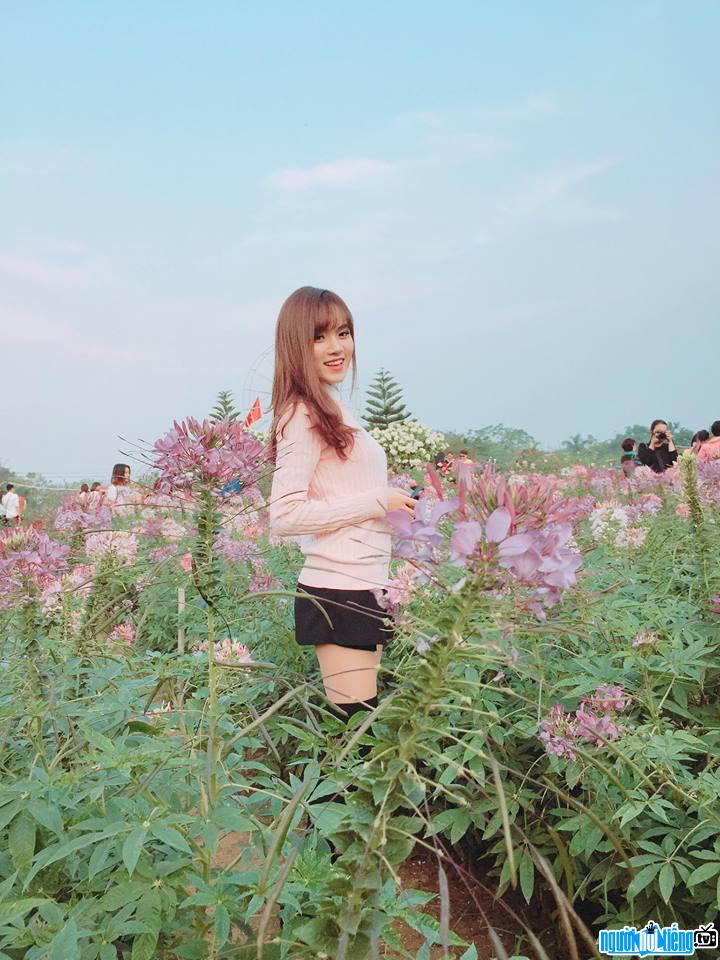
(224, 407)
(384, 403)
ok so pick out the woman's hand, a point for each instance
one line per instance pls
(670, 440)
(397, 499)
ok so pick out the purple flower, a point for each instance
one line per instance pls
(195, 452)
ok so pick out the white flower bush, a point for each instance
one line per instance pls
(408, 444)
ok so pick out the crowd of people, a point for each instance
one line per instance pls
(660, 452)
(118, 491)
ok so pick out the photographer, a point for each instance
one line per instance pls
(661, 452)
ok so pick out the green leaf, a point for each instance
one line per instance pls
(132, 847)
(703, 872)
(13, 911)
(170, 836)
(59, 851)
(47, 815)
(667, 882)
(21, 839)
(64, 944)
(642, 880)
(527, 877)
(98, 858)
(222, 926)
(124, 893)
(143, 947)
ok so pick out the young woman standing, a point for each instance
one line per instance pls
(330, 488)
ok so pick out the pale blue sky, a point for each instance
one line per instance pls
(519, 202)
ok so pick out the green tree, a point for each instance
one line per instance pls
(384, 402)
(224, 407)
(579, 444)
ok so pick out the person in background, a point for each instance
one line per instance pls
(464, 456)
(628, 459)
(11, 503)
(660, 452)
(84, 493)
(711, 449)
(699, 438)
(2, 508)
(118, 490)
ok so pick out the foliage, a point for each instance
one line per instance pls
(224, 408)
(384, 402)
(556, 721)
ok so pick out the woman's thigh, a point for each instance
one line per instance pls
(348, 674)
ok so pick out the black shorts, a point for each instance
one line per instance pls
(356, 616)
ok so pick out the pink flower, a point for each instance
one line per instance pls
(716, 604)
(123, 633)
(87, 514)
(557, 732)
(195, 452)
(186, 562)
(159, 554)
(597, 729)
(682, 510)
(645, 638)
(119, 544)
(30, 562)
(226, 651)
(608, 699)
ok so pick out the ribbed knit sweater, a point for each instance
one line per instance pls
(337, 506)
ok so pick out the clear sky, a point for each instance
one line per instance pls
(518, 200)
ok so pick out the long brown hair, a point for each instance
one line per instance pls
(307, 312)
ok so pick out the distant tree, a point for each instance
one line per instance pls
(579, 444)
(497, 442)
(384, 402)
(5, 474)
(224, 408)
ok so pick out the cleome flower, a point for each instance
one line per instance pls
(195, 452)
(30, 562)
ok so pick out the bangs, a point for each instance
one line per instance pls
(332, 314)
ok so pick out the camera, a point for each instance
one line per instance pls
(661, 435)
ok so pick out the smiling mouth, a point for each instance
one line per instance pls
(334, 363)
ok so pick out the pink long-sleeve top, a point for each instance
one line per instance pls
(337, 506)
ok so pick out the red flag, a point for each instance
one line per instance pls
(255, 413)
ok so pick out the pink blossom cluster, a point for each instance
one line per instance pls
(76, 513)
(234, 550)
(123, 633)
(225, 651)
(398, 592)
(160, 554)
(121, 544)
(595, 721)
(163, 528)
(30, 561)
(200, 452)
(715, 604)
(645, 638)
(615, 523)
(78, 582)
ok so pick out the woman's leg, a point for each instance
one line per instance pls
(349, 675)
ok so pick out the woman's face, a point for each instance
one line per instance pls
(660, 428)
(333, 352)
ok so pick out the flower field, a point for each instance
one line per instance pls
(547, 732)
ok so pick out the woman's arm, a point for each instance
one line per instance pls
(292, 512)
(646, 455)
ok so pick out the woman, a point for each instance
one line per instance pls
(698, 439)
(330, 487)
(711, 449)
(660, 452)
(119, 488)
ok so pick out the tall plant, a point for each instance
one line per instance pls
(224, 408)
(384, 402)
